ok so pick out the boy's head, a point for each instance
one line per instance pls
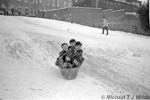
(72, 42)
(64, 46)
(78, 45)
(104, 17)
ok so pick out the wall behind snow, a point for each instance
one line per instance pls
(118, 19)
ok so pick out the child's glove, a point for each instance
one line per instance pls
(64, 65)
(69, 65)
(67, 58)
(75, 61)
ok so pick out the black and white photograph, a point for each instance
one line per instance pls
(74, 50)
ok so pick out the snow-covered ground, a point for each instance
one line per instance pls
(117, 64)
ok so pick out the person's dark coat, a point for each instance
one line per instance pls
(61, 59)
(70, 54)
(12, 11)
(62, 53)
(79, 57)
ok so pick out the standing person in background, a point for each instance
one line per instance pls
(5, 12)
(12, 11)
(19, 13)
(105, 25)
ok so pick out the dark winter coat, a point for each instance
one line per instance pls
(62, 53)
(61, 59)
(79, 56)
(76, 55)
(71, 53)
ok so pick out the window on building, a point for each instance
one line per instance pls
(40, 1)
(58, 3)
(69, 3)
(53, 3)
(137, 4)
(26, 11)
(32, 1)
(36, 1)
(48, 2)
(19, 8)
(25, 1)
(31, 11)
(65, 4)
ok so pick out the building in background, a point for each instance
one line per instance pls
(31, 7)
(128, 5)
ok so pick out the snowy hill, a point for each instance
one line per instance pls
(117, 64)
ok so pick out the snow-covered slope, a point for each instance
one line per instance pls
(117, 64)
